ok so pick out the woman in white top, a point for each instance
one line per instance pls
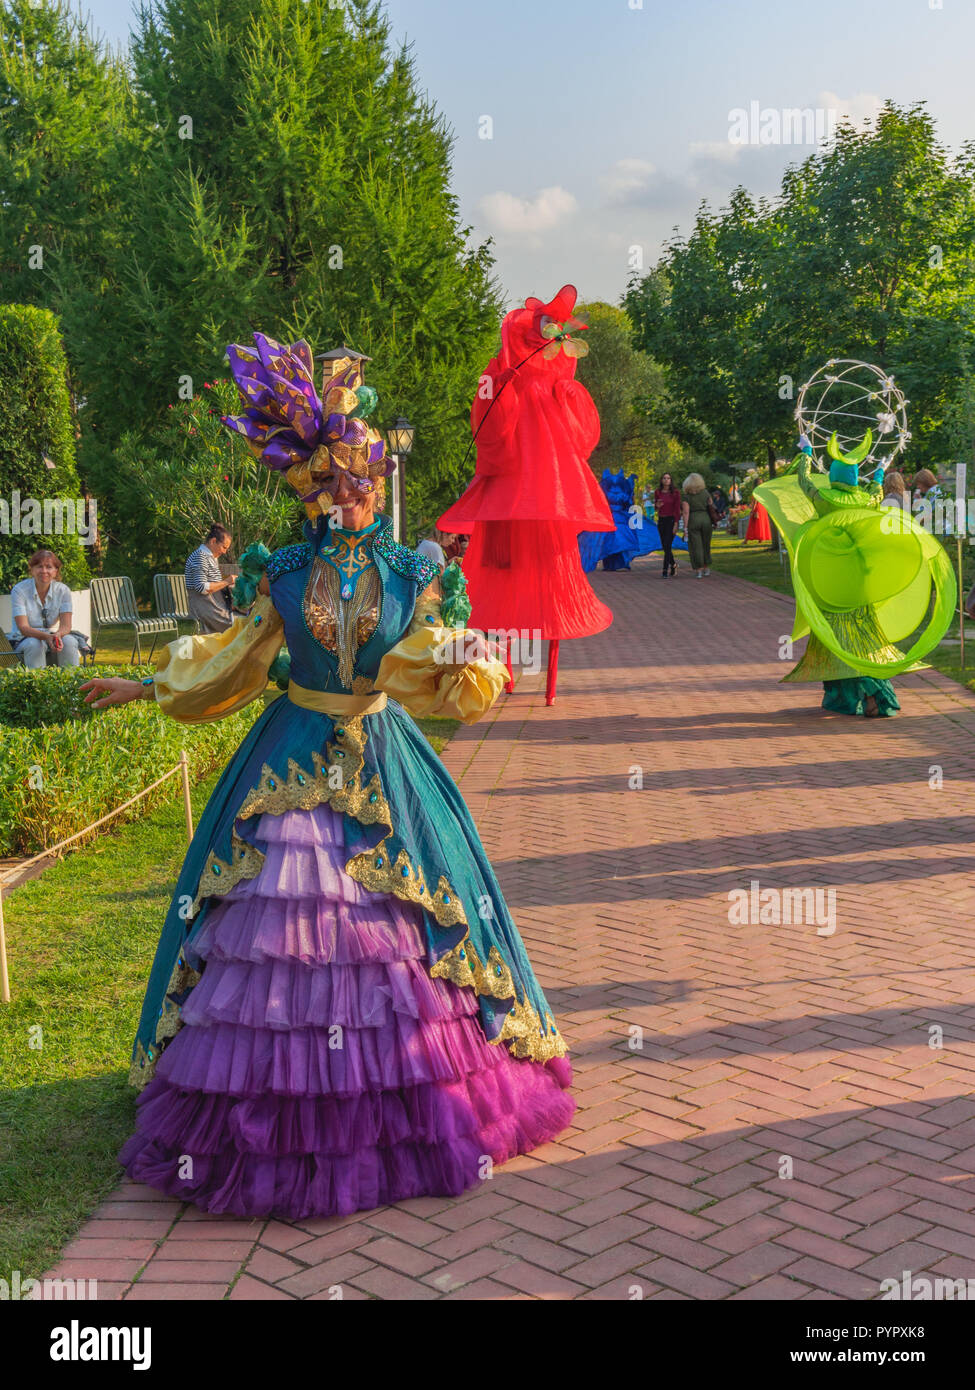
(41, 607)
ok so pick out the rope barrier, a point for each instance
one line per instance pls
(181, 767)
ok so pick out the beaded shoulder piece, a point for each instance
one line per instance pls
(288, 558)
(403, 560)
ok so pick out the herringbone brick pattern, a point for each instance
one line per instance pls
(765, 1111)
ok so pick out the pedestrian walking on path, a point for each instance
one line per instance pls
(666, 501)
(698, 510)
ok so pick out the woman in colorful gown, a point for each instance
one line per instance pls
(759, 526)
(341, 1012)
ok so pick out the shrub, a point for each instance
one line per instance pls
(31, 698)
(37, 457)
(57, 778)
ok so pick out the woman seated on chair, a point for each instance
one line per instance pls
(41, 607)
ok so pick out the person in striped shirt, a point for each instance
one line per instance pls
(207, 590)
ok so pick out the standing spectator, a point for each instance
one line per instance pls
(433, 550)
(666, 501)
(41, 608)
(455, 547)
(894, 489)
(206, 588)
(698, 523)
(925, 498)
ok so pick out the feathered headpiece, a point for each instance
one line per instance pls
(291, 429)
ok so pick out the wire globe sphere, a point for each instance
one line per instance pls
(849, 397)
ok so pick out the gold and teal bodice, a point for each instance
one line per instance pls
(346, 598)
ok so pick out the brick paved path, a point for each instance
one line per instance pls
(765, 1048)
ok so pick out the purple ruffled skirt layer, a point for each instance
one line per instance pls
(320, 1070)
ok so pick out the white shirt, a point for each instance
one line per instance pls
(25, 603)
(433, 552)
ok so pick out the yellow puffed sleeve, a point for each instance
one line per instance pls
(201, 679)
(427, 671)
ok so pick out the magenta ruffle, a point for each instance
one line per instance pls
(320, 1069)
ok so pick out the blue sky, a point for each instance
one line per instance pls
(609, 120)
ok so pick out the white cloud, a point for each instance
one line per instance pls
(525, 219)
(718, 151)
(627, 177)
(862, 107)
(635, 183)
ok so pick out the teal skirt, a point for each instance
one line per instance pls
(850, 696)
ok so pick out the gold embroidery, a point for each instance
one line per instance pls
(183, 977)
(341, 625)
(143, 1066)
(220, 875)
(376, 870)
(463, 966)
(523, 1029)
(527, 1037)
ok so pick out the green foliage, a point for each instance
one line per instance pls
(66, 129)
(29, 699)
(195, 472)
(37, 456)
(59, 777)
(865, 253)
(626, 385)
(269, 167)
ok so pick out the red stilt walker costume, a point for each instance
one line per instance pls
(533, 491)
(759, 525)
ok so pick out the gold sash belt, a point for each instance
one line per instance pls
(336, 706)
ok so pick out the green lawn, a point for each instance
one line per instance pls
(80, 942)
(754, 562)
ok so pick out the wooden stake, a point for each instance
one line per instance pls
(4, 977)
(184, 769)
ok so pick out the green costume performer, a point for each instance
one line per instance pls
(864, 577)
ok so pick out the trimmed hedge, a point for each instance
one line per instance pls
(31, 698)
(71, 769)
(35, 425)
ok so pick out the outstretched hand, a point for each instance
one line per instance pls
(114, 690)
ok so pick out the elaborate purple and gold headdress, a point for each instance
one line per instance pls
(293, 430)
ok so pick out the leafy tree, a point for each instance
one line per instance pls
(865, 253)
(65, 109)
(193, 473)
(37, 457)
(296, 182)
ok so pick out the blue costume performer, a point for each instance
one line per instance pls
(635, 533)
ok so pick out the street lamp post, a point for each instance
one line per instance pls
(399, 437)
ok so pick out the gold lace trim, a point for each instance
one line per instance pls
(143, 1066)
(523, 1029)
(220, 875)
(376, 870)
